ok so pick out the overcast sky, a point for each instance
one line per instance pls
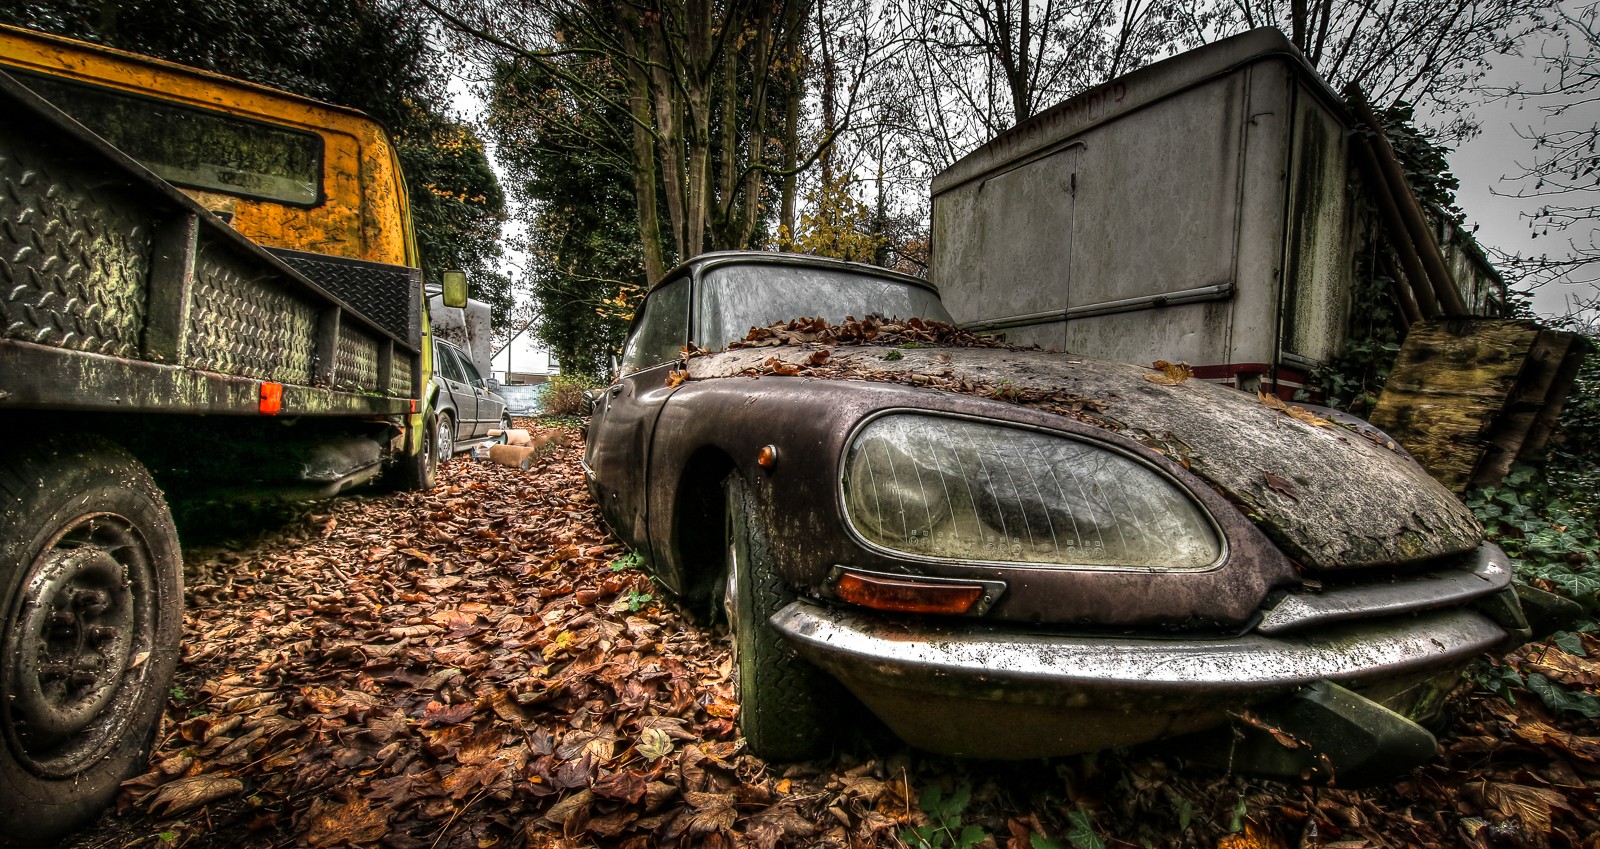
(1482, 164)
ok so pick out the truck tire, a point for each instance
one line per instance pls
(783, 700)
(91, 611)
(417, 471)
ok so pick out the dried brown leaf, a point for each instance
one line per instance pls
(1170, 374)
(713, 812)
(1534, 806)
(353, 822)
(186, 794)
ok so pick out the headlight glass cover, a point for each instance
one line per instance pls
(953, 488)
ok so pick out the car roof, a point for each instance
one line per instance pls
(796, 260)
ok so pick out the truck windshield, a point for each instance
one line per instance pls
(734, 298)
(196, 147)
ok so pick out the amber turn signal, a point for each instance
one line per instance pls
(768, 457)
(906, 595)
(271, 399)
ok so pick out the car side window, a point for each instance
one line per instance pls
(448, 365)
(663, 329)
(469, 371)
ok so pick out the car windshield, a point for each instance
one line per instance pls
(734, 298)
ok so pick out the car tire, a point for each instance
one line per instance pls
(91, 611)
(505, 427)
(782, 698)
(444, 438)
(418, 471)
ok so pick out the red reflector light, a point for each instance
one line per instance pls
(271, 399)
(413, 405)
(906, 595)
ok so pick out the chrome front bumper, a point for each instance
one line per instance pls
(990, 692)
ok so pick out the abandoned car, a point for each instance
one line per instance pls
(1019, 553)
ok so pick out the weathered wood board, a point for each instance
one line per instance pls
(1468, 397)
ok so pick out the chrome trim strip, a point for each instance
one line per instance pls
(1489, 572)
(1215, 292)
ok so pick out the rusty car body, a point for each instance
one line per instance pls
(1016, 553)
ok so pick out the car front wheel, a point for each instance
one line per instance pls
(782, 698)
(444, 439)
(90, 616)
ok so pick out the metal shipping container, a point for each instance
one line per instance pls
(1194, 210)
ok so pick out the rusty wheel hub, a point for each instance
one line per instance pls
(74, 637)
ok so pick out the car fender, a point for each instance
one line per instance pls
(809, 422)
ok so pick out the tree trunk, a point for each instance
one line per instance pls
(830, 106)
(791, 152)
(755, 153)
(644, 163)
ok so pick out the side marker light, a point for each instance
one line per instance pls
(271, 399)
(907, 595)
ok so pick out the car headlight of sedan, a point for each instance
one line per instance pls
(952, 488)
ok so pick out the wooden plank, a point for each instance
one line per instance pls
(1452, 380)
(1544, 424)
(1510, 429)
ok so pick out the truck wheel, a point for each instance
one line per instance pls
(782, 698)
(417, 471)
(444, 439)
(90, 615)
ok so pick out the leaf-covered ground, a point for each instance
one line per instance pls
(481, 667)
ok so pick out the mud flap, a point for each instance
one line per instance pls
(1324, 734)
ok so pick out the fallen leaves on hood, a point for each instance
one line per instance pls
(870, 330)
(1169, 374)
(1299, 414)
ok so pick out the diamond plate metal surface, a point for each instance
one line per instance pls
(386, 294)
(400, 381)
(355, 364)
(74, 254)
(245, 323)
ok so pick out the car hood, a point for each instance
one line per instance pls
(1332, 497)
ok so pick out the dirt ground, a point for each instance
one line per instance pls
(482, 667)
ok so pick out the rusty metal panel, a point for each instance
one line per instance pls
(1014, 228)
(1318, 254)
(1482, 287)
(1159, 216)
(246, 322)
(74, 252)
(355, 364)
(1260, 229)
(1158, 200)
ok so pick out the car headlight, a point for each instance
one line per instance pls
(953, 488)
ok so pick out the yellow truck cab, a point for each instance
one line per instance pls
(300, 174)
(207, 288)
